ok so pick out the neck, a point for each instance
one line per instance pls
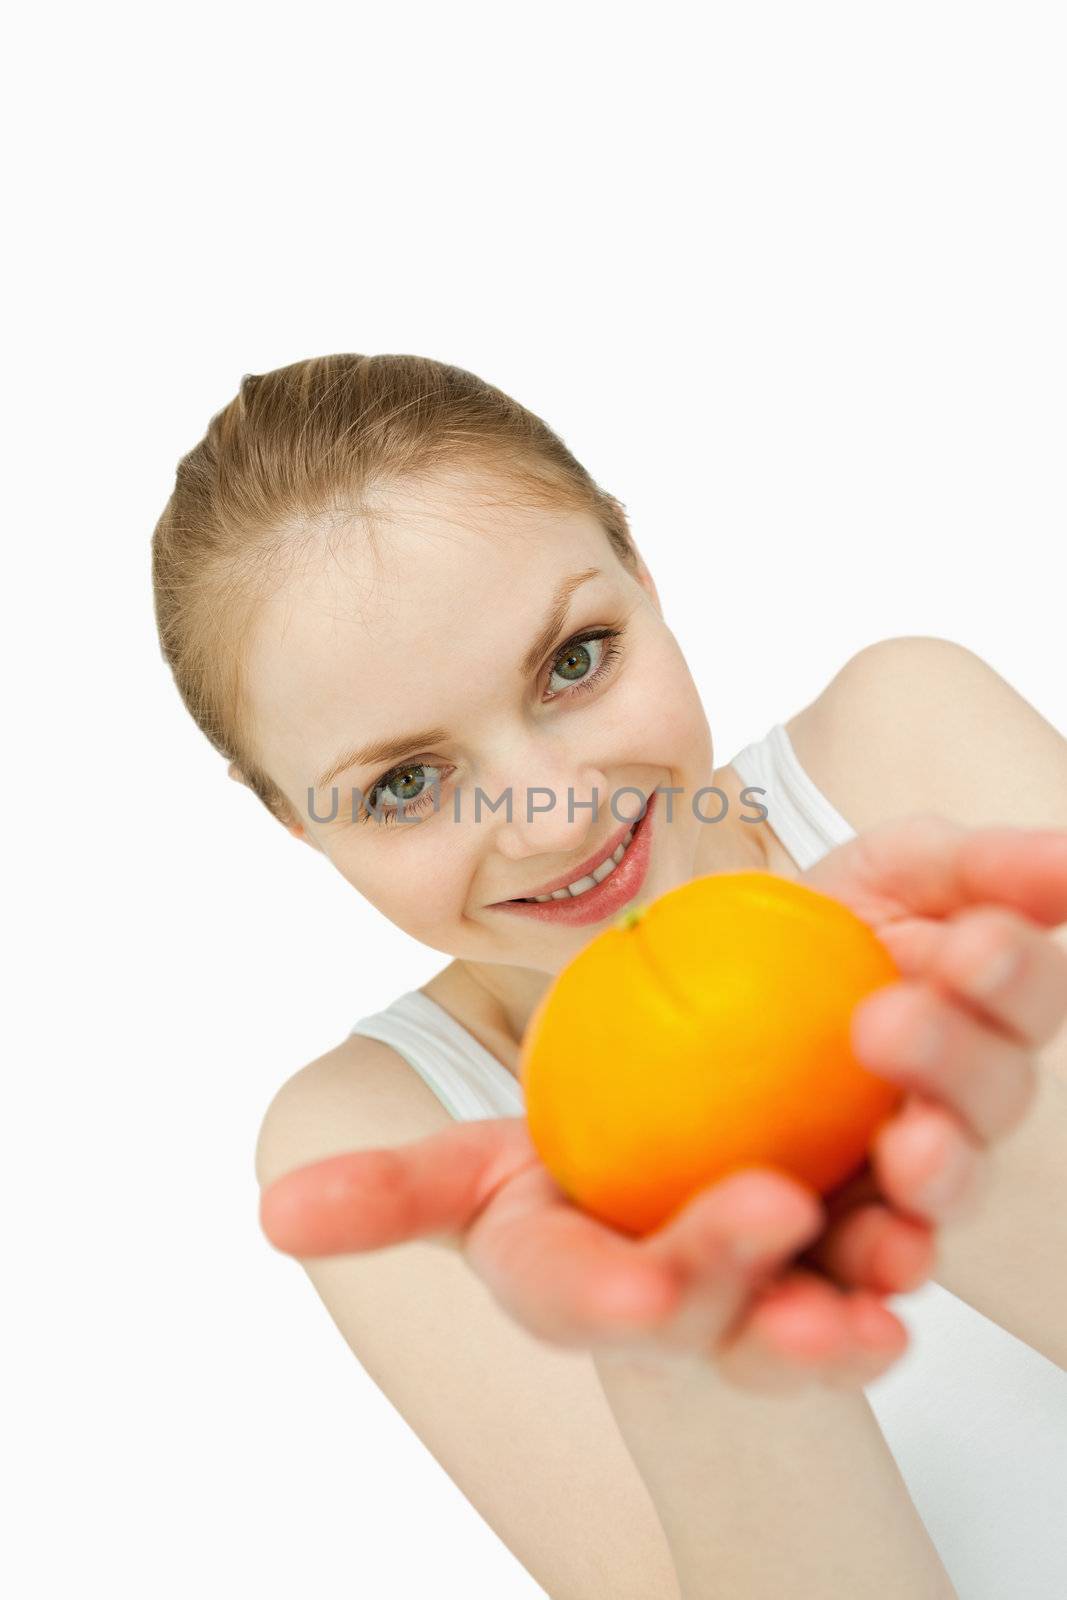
(508, 995)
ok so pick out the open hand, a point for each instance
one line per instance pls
(480, 1189)
(769, 1322)
(966, 915)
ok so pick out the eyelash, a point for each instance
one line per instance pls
(604, 667)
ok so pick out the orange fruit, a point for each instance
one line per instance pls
(701, 1033)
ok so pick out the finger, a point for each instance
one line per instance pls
(874, 1237)
(725, 1240)
(367, 1199)
(926, 865)
(788, 1334)
(915, 1036)
(875, 1248)
(879, 1337)
(926, 1165)
(799, 1331)
(913, 942)
(1008, 970)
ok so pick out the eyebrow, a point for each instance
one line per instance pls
(386, 750)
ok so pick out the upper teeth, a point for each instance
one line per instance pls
(598, 874)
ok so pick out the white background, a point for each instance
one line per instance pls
(789, 280)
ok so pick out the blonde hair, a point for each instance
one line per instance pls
(296, 448)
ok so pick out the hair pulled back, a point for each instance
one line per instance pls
(293, 452)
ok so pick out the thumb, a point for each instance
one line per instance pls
(720, 1242)
(368, 1199)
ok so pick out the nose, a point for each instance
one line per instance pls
(555, 814)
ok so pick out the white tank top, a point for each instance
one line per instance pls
(975, 1418)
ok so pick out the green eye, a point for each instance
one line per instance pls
(412, 792)
(576, 659)
(404, 780)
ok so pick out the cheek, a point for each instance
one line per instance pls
(658, 713)
(416, 890)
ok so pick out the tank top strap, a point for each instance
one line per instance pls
(798, 812)
(469, 1082)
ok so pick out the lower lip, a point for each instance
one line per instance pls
(619, 887)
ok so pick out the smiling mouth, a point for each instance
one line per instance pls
(580, 886)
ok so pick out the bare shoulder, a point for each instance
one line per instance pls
(358, 1095)
(878, 681)
(882, 739)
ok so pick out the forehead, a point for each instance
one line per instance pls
(377, 627)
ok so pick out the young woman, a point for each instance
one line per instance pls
(390, 550)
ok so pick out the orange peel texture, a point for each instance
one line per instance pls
(702, 1033)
